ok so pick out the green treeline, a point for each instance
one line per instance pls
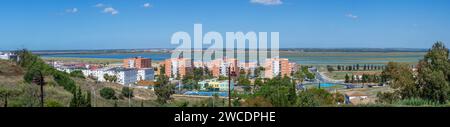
(429, 81)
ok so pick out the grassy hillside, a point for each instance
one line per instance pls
(27, 95)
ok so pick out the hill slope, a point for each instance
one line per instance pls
(27, 95)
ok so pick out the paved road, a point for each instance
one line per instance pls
(323, 78)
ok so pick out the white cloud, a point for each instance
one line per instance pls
(111, 11)
(267, 2)
(107, 9)
(147, 5)
(351, 16)
(72, 10)
(99, 5)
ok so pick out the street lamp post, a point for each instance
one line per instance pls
(230, 73)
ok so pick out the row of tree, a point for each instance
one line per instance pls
(365, 78)
(110, 78)
(355, 67)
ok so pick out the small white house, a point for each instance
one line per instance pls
(356, 97)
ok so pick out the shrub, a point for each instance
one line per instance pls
(127, 92)
(108, 93)
(77, 74)
(416, 102)
(52, 103)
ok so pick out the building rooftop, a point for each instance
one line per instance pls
(121, 69)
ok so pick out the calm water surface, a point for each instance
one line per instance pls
(300, 58)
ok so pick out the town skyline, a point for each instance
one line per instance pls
(76, 25)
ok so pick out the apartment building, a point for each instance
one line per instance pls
(175, 67)
(249, 67)
(125, 76)
(278, 67)
(145, 74)
(219, 67)
(137, 62)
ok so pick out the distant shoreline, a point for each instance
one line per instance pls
(305, 58)
(168, 50)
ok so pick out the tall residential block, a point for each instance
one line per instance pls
(137, 62)
(175, 67)
(278, 67)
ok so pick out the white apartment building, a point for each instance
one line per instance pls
(124, 76)
(145, 74)
(279, 67)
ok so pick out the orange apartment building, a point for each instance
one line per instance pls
(177, 67)
(137, 62)
(248, 67)
(278, 67)
(219, 67)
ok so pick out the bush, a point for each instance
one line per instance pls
(108, 93)
(257, 101)
(386, 97)
(127, 92)
(416, 102)
(77, 74)
(64, 80)
(307, 99)
(52, 103)
(318, 97)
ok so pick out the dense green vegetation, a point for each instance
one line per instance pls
(191, 79)
(281, 92)
(33, 65)
(127, 92)
(77, 74)
(164, 88)
(303, 73)
(430, 81)
(110, 78)
(108, 93)
(6, 94)
(304, 70)
(79, 99)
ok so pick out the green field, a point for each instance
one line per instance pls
(349, 58)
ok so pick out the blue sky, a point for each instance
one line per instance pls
(124, 24)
